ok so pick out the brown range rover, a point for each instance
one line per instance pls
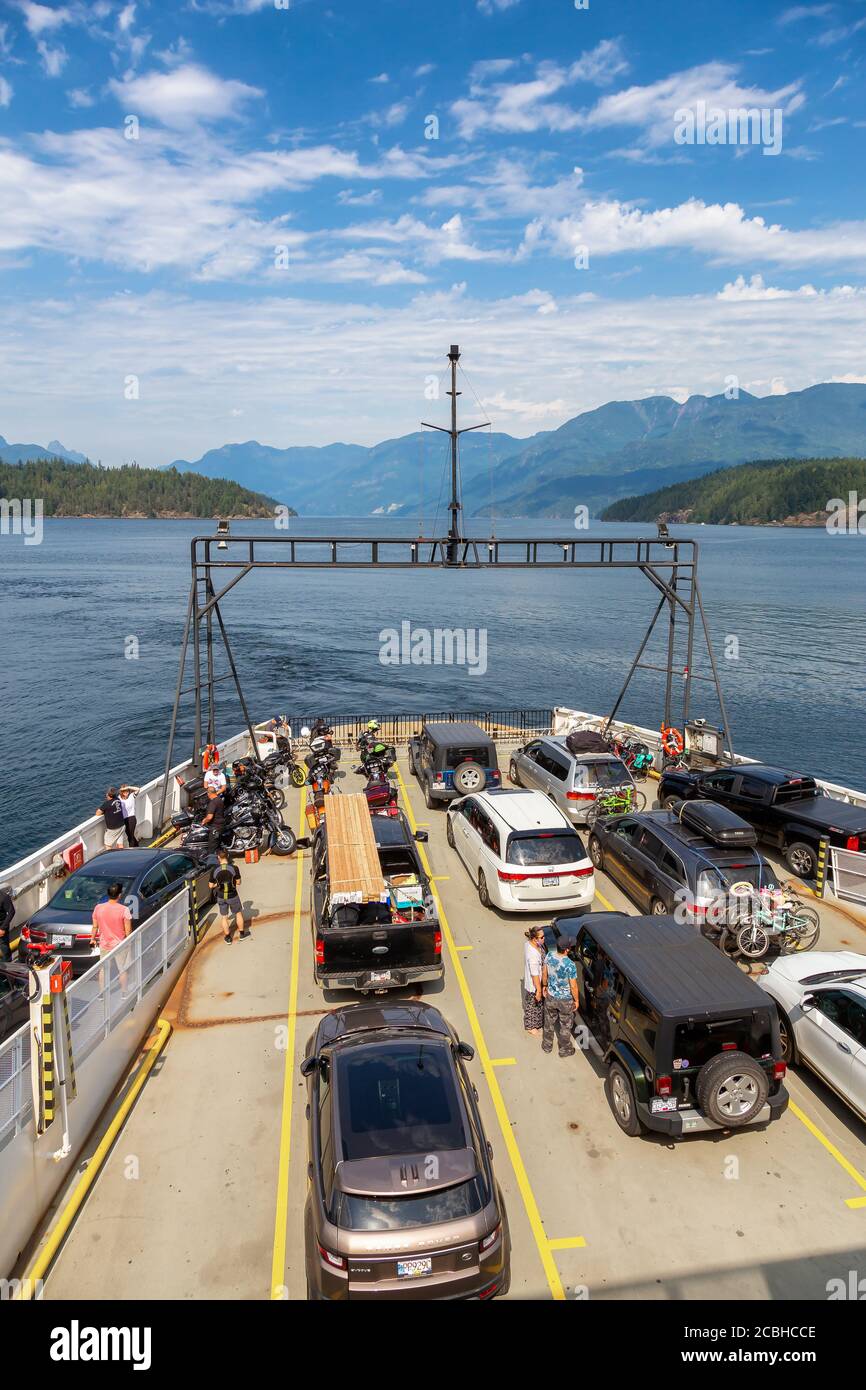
(402, 1201)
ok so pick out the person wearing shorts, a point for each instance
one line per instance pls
(224, 883)
(112, 923)
(115, 825)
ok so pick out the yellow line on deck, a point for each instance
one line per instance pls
(602, 899)
(833, 1152)
(568, 1243)
(503, 1061)
(855, 1202)
(523, 1183)
(464, 948)
(281, 1219)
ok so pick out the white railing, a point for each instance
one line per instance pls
(849, 875)
(16, 1102)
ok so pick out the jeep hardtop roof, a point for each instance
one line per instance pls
(450, 735)
(676, 970)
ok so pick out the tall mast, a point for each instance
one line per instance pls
(455, 536)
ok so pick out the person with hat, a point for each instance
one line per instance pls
(559, 987)
(224, 883)
(112, 814)
(127, 797)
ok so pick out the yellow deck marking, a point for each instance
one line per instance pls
(529, 1202)
(834, 1153)
(602, 899)
(441, 878)
(503, 1061)
(281, 1219)
(568, 1243)
(464, 948)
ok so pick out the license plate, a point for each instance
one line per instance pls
(61, 940)
(414, 1269)
(551, 881)
(661, 1105)
(379, 977)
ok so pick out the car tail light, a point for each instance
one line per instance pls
(780, 1071)
(83, 936)
(511, 878)
(495, 776)
(697, 909)
(320, 951)
(437, 943)
(853, 842)
(335, 1261)
(729, 1047)
(663, 1085)
(439, 777)
(489, 1291)
(486, 1243)
(580, 796)
(578, 873)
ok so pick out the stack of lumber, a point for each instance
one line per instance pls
(353, 861)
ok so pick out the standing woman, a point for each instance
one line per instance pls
(533, 965)
(127, 805)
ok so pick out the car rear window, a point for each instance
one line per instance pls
(455, 756)
(794, 791)
(398, 1098)
(353, 1213)
(544, 847)
(82, 891)
(609, 773)
(696, 1042)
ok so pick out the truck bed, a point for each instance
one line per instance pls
(353, 859)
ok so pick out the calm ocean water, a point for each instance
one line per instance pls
(79, 714)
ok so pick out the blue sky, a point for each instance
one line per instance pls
(284, 254)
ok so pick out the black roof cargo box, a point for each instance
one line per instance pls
(718, 824)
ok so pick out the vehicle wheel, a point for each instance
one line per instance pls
(596, 853)
(449, 831)
(284, 841)
(410, 758)
(805, 928)
(469, 777)
(668, 803)
(513, 775)
(483, 893)
(753, 941)
(658, 908)
(298, 776)
(802, 859)
(786, 1037)
(621, 1098)
(732, 1089)
(428, 797)
(278, 798)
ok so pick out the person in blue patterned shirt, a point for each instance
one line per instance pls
(559, 986)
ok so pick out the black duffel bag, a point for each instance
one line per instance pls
(586, 741)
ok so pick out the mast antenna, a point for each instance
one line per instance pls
(455, 528)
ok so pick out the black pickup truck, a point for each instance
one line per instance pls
(787, 809)
(375, 946)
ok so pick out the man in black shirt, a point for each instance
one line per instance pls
(112, 813)
(224, 883)
(7, 916)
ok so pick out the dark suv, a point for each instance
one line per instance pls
(453, 760)
(402, 1201)
(689, 1040)
(683, 860)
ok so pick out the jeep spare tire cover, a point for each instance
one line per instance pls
(732, 1089)
(469, 777)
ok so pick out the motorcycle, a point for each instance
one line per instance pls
(284, 758)
(381, 795)
(251, 822)
(376, 759)
(250, 776)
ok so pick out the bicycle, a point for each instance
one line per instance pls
(779, 916)
(615, 802)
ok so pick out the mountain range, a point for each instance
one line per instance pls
(617, 450)
(34, 453)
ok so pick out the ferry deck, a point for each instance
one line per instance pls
(202, 1194)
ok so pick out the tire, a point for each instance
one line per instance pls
(786, 1034)
(483, 891)
(658, 908)
(753, 942)
(278, 798)
(595, 851)
(429, 800)
(449, 832)
(801, 859)
(621, 1099)
(732, 1089)
(513, 776)
(668, 802)
(808, 928)
(410, 758)
(469, 777)
(284, 841)
(298, 775)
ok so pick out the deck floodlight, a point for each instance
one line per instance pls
(222, 532)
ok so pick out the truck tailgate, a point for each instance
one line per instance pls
(380, 947)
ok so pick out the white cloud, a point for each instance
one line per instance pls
(500, 403)
(184, 96)
(382, 77)
(53, 60)
(359, 200)
(798, 12)
(5, 92)
(43, 19)
(80, 97)
(523, 107)
(494, 6)
(424, 70)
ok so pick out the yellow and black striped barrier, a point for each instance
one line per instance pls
(46, 1072)
(71, 1084)
(821, 872)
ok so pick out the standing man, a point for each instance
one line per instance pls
(559, 985)
(127, 806)
(7, 916)
(112, 813)
(112, 923)
(214, 817)
(225, 885)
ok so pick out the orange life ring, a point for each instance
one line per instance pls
(210, 756)
(672, 740)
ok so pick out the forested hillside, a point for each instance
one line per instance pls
(85, 489)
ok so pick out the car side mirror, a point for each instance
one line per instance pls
(421, 836)
(465, 1051)
(309, 1065)
(808, 1002)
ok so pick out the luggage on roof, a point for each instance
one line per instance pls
(586, 741)
(718, 824)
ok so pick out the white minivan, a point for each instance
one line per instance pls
(521, 852)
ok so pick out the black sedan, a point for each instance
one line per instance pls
(148, 879)
(15, 986)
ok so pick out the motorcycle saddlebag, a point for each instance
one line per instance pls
(586, 741)
(718, 824)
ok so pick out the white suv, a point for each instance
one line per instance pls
(821, 997)
(522, 853)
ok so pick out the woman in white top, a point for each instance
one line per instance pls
(533, 964)
(127, 804)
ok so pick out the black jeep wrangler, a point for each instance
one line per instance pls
(690, 1042)
(453, 760)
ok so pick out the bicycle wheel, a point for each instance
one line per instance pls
(638, 801)
(805, 928)
(592, 816)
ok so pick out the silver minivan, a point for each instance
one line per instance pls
(572, 781)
